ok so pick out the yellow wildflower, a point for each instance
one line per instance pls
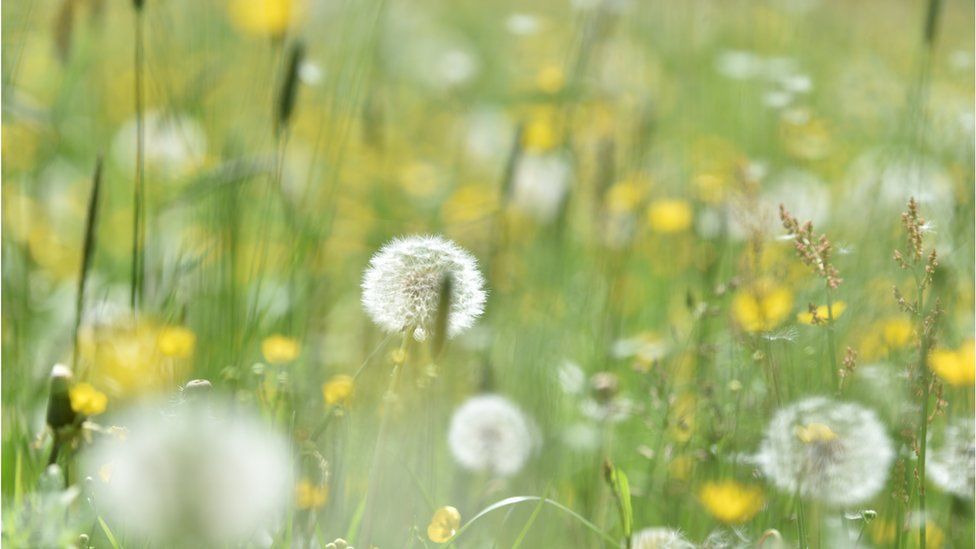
(625, 196)
(731, 502)
(262, 16)
(539, 134)
(669, 216)
(176, 341)
(471, 202)
(444, 524)
(310, 496)
(551, 79)
(897, 332)
(279, 349)
(87, 400)
(838, 309)
(814, 432)
(956, 367)
(337, 390)
(761, 307)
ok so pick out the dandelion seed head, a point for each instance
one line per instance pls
(200, 474)
(834, 452)
(952, 461)
(490, 433)
(541, 182)
(401, 286)
(659, 538)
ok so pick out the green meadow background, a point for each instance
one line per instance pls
(680, 127)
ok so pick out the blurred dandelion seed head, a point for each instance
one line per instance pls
(490, 433)
(952, 460)
(834, 452)
(659, 538)
(401, 285)
(195, 474)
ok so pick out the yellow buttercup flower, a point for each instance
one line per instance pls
(279, 349)
(539, 134)
(87, 400)
(337, 390)
(126, 360)
(176, 342)
(814, 432)
(444, 524)
(731, 502)
(262, 16)
(807, 318)
(761, 307)
(551, 79)
(956, 367)
(669, 216)
(625, 196)
(310, 496)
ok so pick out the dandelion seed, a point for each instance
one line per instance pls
(659, 538)
(402, 284)
(952, 460)
(490, 433)
(199, 476)
(835, 452)
(444, 524)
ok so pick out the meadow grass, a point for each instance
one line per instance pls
(194, 190)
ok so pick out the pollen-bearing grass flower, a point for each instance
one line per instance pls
(731, 502)
(443, 524)
(191, 475)
(659, 538)
(957, 367)
(952, 459)
(402, 285)
(490, 433)
(819, 314)
(87, 400)
(761, 306)
(279, 349)
(834, 452)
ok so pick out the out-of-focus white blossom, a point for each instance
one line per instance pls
(952, 459)
(490, 433)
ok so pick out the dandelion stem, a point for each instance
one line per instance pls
(831, 343)
(800, 525)
(138, 198)
(375, 476)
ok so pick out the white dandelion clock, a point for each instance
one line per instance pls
(175, 143)
(402, 285)
(540, 186)
(952, 460)
(197, 475)
(835, 452)
(490, 433)
(659, 538)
